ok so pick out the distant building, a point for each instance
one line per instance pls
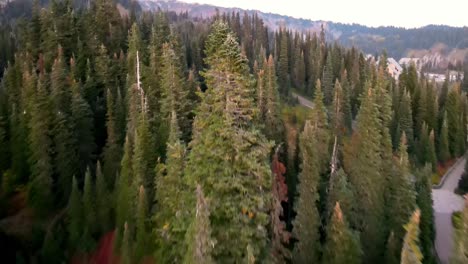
(407, 62)
(394, 68)
(439, 77)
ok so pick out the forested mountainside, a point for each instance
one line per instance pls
(438, 43)
(399, 42)
(155, 137)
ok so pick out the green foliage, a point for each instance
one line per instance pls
(126, 250)
(229, 156)
(75, 216)
(52, 247)
(402, 199)
(89, 84)
(362, 157)
(142, 242)
(40, 194)
(172, 205)
(342, 245)
(340, 190)
(307, 222)
(460, 248)
(112, 153)
(173, 93)
(320, 121)
(104, 202)
(199, 241)
(411, 253)
(392, 250)
(82, 119)
(270, 116)
(425, 203)
(123, 191)
(327, 80)
(405, 122)
(443, 153)
(453, 122)
(457, 220)
(143, 157)
(89, 204)
(283, 64)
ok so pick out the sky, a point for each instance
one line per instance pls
(401, 13)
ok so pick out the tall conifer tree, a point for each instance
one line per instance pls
(342, 245)
(229, 156)
(411, 253)
(307, 222)
(362, 157)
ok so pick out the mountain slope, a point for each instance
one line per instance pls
(399, 42)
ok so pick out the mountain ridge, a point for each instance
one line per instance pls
(398, 41)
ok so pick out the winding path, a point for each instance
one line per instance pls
(303, 101)
(445, 203)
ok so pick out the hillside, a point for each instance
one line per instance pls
(399, 42)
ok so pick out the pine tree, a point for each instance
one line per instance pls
(384, 105)
(299, 68)
(410, 253)
(65, 158)
(452, 109)
(82, 118)
(346, 106)
(307, 222)
(142, 238)
(402, 197)
(172, 207)
(261, 90)
(432, 107)
(336, 112)
(104, 201)
(229, 156)
(283, 64)
(424, 202)
(431, 152)
(112, 153)
(40, 194)
(321, 121)
(89, 203)
(143, 157)
(362, 157)
(443, 152)
(75, 216)
(173, 94)
(422, 108)
(327, 80)
(124, 205)
(199, 242)
(4, 142)
(406, 119)
(342, 245)
(340, 190)
(273, 125)
(126, 252)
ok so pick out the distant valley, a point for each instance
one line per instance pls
(437, 47)
(440, 47)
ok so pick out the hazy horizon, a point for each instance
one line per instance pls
(400, 13)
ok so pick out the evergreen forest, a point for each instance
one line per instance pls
(152, 137)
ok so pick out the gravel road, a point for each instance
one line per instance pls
(445, 203)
